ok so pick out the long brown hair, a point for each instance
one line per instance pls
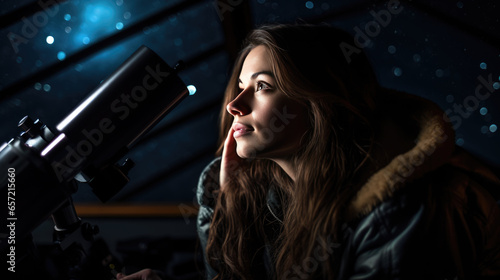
(338, 89)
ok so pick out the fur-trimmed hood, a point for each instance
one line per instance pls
(415, 138)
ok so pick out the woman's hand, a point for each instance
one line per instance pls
(230, 162)
(145, 274)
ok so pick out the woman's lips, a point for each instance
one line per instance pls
(241, 129)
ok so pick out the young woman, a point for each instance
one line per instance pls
(324, 174)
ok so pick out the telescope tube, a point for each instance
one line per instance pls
(115, 115)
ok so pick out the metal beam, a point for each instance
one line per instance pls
(236, 21)
(28, 10)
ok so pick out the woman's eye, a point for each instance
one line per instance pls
(262, 86)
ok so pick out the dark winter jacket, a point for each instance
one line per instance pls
(431, 212)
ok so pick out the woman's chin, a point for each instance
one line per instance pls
(245, 152)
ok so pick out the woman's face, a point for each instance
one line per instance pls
(267, 123)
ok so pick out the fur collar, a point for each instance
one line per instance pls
(430, 146)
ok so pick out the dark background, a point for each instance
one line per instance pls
(440, 50)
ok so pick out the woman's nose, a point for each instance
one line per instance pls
(240, 105)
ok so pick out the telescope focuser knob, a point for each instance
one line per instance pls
(27, 125)
(24, 136)
(32, 128)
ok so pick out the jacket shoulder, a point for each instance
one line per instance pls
(208, 183)
(382, 243)
(446, 220)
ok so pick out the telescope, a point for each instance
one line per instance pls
(40, 167)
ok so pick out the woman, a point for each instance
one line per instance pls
(324, 174)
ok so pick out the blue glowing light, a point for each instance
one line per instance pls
(309, 4)
(67, 17)
(398, 72)
(483, 65)
(95, 20)
(49, 40)
(191, 89)
(493, 127)
(460, 141)
(61, 55)
(483, 111)
(496, 85)
(96, 13)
